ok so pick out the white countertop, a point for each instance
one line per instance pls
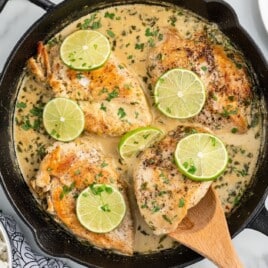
(19, 15)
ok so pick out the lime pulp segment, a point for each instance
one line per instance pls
(63, 119)
(137, 140)
(179, 93)
(100, 208)
(201, 156)
(85, 50)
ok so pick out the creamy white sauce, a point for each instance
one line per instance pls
(128, 25)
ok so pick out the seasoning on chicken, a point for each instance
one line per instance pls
(111, 96)
(163, 194)
(226, 80)
(68, 169)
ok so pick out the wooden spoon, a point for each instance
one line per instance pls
(205, 231)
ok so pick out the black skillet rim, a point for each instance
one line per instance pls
(43, 235)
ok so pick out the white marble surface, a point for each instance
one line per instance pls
(18, 15)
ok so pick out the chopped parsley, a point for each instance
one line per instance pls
(181, 203)
(121, 113)
(234, 130)
(105, 208)
(166, 218)
(90, 23)
(110, 33)
(104, 164)
(102, 107)
(21, 105)
(109, 15)
(112, 95)
(66, 190)
(98, 189)
(227, 112)
(139, 46)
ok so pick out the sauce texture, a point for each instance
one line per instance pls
(132, 30)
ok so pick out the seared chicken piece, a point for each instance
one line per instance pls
(65, 171)
(226, 80)
(163, 194)
(111, 96)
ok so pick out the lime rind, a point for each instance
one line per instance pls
(85, 50)
(166, 94)
(137, 140)
(95, 219)
(212, 163)
(74, 122)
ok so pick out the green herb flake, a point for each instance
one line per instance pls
(234, 130)
(166, 218)
(164, 178)
(90, 23)
(109, 15)
(37, 111)
(110, 33)
(96, 25)
(104, 164)
(97, 190)
(213, 141)
(227, 112)
(112, 95)
(108, 189)
(143, 186)
(105, 208)
(148, 32)
(145, 136)
(77, 172)
(172, 20)
(121, 113)
(181, 203)
(192, 169)
(139, 46)
(66, 190)
(103, 108)
(155, 209)
(99, 175)
(204, 68)
(21, 105)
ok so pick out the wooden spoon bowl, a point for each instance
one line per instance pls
(205, 231)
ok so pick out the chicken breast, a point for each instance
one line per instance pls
(65, 171)
(225, 77)
(111, 96)
(163, 194)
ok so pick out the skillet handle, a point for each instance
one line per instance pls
(45, 4)
(260, 222)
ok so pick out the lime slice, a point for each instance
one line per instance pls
(137, 140)
(201, 156)
(179, 93)
(85, 50)
(100, 208)
(63, 119)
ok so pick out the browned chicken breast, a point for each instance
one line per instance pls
(111, 96)
(65, 171)
(226, 80)
(163, 194)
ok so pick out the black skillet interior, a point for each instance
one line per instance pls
(50, 236)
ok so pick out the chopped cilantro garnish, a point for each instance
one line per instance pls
(21, 105)
(110, 33)
(121, 113)
(181, 203)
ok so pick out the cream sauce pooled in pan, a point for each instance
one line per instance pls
(133, 30)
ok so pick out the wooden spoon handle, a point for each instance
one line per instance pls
(207, 233)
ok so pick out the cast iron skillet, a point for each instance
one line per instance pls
(50, 236)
